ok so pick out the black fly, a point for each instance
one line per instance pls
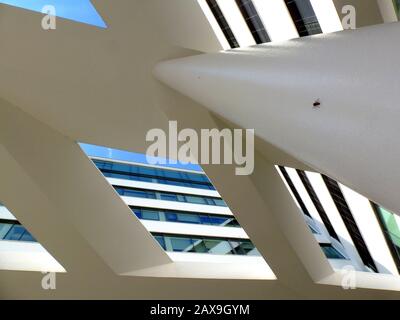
(316, 104)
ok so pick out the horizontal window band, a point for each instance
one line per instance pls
(169, 196)
(175, 216)
(206, 245)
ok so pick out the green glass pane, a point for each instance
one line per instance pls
(391, 225)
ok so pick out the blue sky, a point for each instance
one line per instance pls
(77, 10)
(110, 153)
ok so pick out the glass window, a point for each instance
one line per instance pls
(232, 222)
(204, 219)
(146, 170)
(207, 245)
(218, 221)
(153, 175)
(150, 215)
(119, 167)
(330, 252)
(219, 202)
(27, 237)
(188, 218)
(196, 200)
(181, 244)
(4, 228)
(218, 246)
(168, 197)
(160, 240)
(171, 217)
(185, 217)
(313, 230)
(173, 174)
(243, 247)
(199, 246)
(141, 194)
(137, 212)
(15, 233)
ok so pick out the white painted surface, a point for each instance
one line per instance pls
(327, 15)
(331, 211)
(208, 266)
(276, 19)
(370, 230)
(236, 22)
(341, 264)
(26, 256)
(321, 238)
(366, 280)
(163, 187)
(6, 214)
(194, 229)
(175, 205)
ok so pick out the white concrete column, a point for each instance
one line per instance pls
(352, 136)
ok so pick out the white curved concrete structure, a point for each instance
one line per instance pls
(82, 84)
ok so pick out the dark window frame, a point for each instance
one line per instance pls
(253, 21)
(302, 23)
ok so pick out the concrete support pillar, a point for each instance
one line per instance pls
(351, 136)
